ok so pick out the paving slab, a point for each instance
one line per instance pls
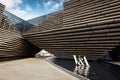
(32, 69)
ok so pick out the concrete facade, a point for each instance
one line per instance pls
(12, 43)
(90, 28)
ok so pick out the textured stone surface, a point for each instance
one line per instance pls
(90, 28)
(12, 43)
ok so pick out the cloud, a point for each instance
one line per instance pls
(56, 6)
(18, 12)
(48, 3)
(11, 3)
(52, 5)
(26, 11)
(28, 8)
(14, 7)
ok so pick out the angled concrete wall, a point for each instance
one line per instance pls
(12, 43)
(90, 28)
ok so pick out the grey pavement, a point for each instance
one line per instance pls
(32, 69)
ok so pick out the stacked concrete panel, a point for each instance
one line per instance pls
(12, 44)
(1, 12)
(90, 27)
(4, 21)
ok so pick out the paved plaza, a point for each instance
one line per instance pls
(32, 69)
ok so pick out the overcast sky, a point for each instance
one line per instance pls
(28, 9)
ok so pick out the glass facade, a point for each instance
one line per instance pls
(22, 25)
(19, 23)
(48, 22)
(39, 20)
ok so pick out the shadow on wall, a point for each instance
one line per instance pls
(115, 53)
(30, 50)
